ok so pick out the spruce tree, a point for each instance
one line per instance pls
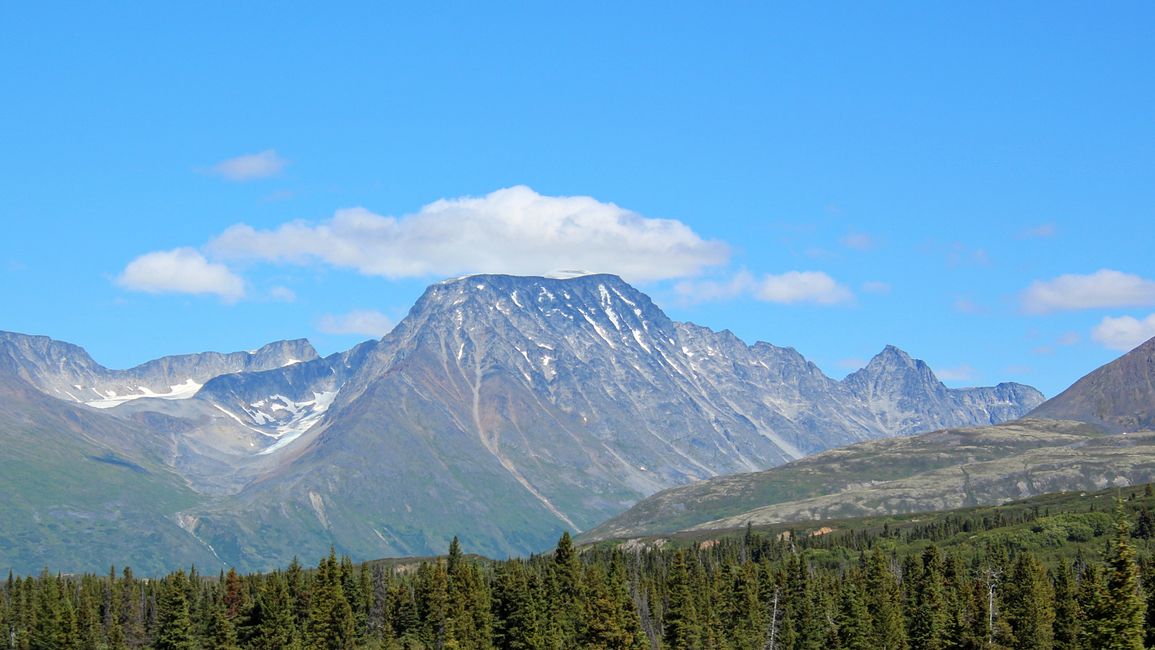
(1128, 607)
(883, 597)
(854, 629)
(929, 618)
(566, 599)
(1029, 605)
(222, 634)
(1068, 618)
(330, 616)
(1095, 605)
(432, 596)
(273, 622)
(174, 625)
(50, 630)
(680, 626)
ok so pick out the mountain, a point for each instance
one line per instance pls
(502, 409)
(506, 409)
(1119, 396)
(78, 494)
(1062, 445)
(66, 371)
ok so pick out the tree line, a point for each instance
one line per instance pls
(749, 592)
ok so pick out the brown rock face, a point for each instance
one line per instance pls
(1119, 396)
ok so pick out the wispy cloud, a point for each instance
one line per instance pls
(514, 230)
(792, 287)
(1123, 333)
(859, 241)
(282, 294)
(969, 307)
(181, 270)
(958, 254)
(874, 286)
(1104, 288)
(1042, 231)
(250, 166)
(362, 322)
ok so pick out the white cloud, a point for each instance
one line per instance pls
(802, 286)
(787, 288)
(1124, 333)
(359, 321)
(874, 286)
(1103, 288)
(513, 230)
(960, 373)
(250, 166)
(742, 283)
(181, 270)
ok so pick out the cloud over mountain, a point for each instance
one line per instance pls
(181, 270)
(791, 287)
(1123, 333)
(513, 230)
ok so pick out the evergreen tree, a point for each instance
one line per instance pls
(432, 599)
(50, 630)
(567, 593)
(1128, 608)
(174, 625)
(272, 622)
(1067, 615)
(222, 634)
(330, 616)
(468, 603)
(929, 617)
(1094, 603)
(515, 623)
(744, 606)
(1030, 604)
(883, 598)
(680, 626)
(854, 629)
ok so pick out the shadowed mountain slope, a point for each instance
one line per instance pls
(1119, 396)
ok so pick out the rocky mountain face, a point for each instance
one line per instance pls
(67, 372)
(1119, 396)
(905, 397)
(502, 409)
(1062, 445)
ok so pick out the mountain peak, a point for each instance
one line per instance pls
(1119, 396)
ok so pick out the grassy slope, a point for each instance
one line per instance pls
(74, 503)
(942, 469)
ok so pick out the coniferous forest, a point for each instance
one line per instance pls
(744, 592)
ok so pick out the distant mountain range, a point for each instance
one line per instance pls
(501, 409)
(1063, 445)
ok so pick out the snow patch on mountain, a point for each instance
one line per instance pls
(183, 390)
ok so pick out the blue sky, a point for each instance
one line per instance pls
(974, 183)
